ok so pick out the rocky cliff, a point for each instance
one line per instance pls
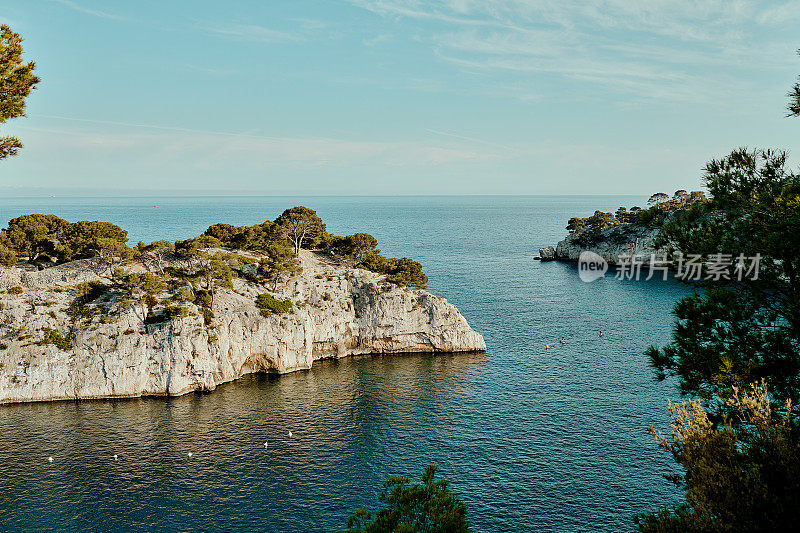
(612, 243)
(337, 312)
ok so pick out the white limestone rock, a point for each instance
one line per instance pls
(548, 253)
(338, 311)
(615, 242)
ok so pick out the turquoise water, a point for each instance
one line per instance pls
(531, 440)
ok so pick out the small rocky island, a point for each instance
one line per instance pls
(82, 315)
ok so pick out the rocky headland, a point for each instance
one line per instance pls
(628, 233)
(83, 315)
(337, 311)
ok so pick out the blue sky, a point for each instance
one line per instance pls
(397, 96)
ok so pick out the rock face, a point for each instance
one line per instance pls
(337, 312)
(547, 254)
(632, 241)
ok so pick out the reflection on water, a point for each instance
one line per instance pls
(345, 416)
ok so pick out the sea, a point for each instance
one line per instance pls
(531, 439)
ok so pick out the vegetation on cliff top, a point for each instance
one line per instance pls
(159, 281)
(590, 230)
(47, 239)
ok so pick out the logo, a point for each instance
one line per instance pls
(591, 266)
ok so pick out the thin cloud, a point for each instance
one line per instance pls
(151, 126)
(211, 71)
(416, 10)
(218, 148)
(780, 14)
(88, 11)
(378, 39)
(654, 49)
(471, 139)
(252, 32)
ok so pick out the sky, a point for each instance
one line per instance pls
(393, 97)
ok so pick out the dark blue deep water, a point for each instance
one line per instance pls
(531, 440)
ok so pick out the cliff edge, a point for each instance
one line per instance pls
(611, 243)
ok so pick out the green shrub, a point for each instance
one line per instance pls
(175, 311)
(191, 247)
(406, 272)
(244, 237)
(353, 249)
(51, 336)
(183, 294)
(170, 312)
(655, 216)
(618, 237)
(15, 290)
(268, 305)
(400, 271)
(7, 256)
(91, 290)
(79, 308)
(39, 236)
(179, 273)
(203, 299)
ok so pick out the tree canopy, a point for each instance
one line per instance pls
(793, 107)
(741, 475)
(155, 254)
(253, 237)
(589, 230)
(33, 235)
(280, 262)
(8, 257)
(739, 331)
(658, 198)
(39, 236)
(17, 80)
(428, 507)
(354, 249)
(301, 226)
(731, 340)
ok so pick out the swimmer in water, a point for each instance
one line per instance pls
(562, 341)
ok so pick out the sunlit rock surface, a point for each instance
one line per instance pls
(338, 311)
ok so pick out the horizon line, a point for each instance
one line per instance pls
(244, 195)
